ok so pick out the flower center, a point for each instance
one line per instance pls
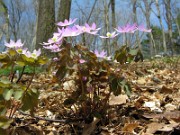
(84, 28)
(108, 34)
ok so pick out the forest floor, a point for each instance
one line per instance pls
(153, 107)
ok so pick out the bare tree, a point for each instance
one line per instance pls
(169, 23)
(160, 20)
(147, 12)
(5, 29)
(136, 21)
(106, 21)
(113, 19)
(88, 16)
(16, 10)
(45, 21)
(64, 10)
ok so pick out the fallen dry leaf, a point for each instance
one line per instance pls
(166, 90)
(129, 127)
(118, 100)
(153, 127)
(169, 127)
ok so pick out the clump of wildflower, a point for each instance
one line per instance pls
(109, 35)
(127, 28)
(16, 45)
(53, 48)
(88, 29)
(102, 54)
(35, 54)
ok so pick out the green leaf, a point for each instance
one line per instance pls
(42, 60)
(3, 56)
(133, 52)
(4, 122)
(12, 52)
(121, 55)
(127, 89)
(20, 63)
(5, 83)
(28, 60)
(18, 94)
(7, 94)
(60, 74)
(114, 86)
(30, 100)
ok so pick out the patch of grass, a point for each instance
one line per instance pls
(28, 70)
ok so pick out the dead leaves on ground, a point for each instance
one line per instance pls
(153, 108)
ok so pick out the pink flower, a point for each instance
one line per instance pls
(55, 59)
(127, 28)
(66, 22)
(56, 39)
(84, 78)
(53, 48)
(70, 32)
(142, 28)
(88, 29)
(82, 61)
(90, 88)
(35, 54)
(12, 44)
(109, 35)
(102, 54)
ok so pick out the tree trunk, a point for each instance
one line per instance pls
(64, 10)
(113, 15)
(160, 20)
(147, 14)
(45, 21)
(135, 21)
(106, 21)
(169, 23)
(6, 20)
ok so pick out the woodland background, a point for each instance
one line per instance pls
(34, 21)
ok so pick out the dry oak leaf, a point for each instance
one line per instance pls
(169, 127)
(129, 127)
(166, 90)
(117, 100)
(153, 127)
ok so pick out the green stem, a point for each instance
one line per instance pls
(22, 72)
(11, 77)
(17, 106)
(30, 81)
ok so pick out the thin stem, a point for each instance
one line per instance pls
(13, 110)
(11, 73)
(109, 47)
(22, 72)
(30, 81)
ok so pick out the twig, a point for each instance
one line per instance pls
(67, 121)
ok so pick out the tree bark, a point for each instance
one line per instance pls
(147, 15)
(169, 23)
(106, 17)
(135, 21)
(162, 28)
(113, 15)
(6, 20)
(45, 21)
(64, 10)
